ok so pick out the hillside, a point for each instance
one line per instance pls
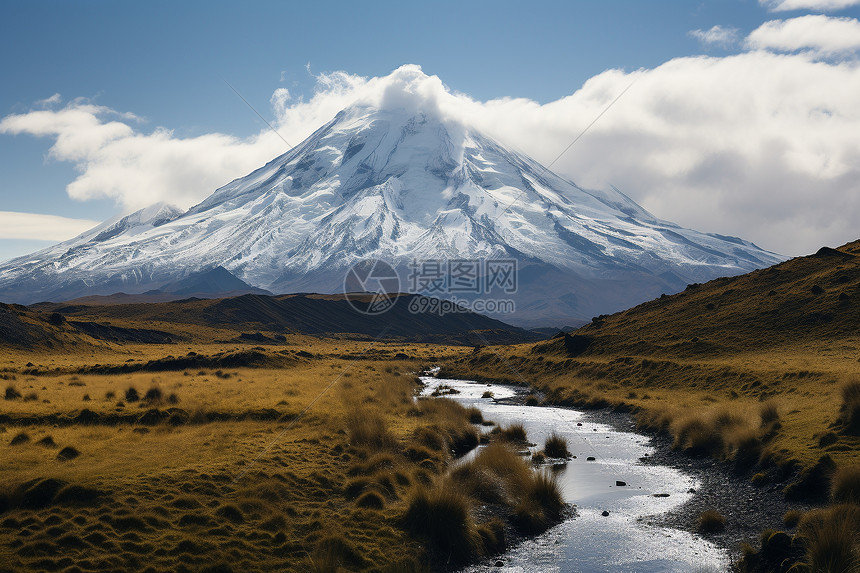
(266, 319)
(787, 336)
(807, 300)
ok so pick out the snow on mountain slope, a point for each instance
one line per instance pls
(398, 186)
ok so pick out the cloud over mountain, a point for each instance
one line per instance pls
(760, 144)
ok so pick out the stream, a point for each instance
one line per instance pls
(624, 540)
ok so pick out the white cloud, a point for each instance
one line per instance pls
(49, 102)
(137, 169)
(759, 145)
(717, 36)
(820, 35)
(34, 226)
(818, 5)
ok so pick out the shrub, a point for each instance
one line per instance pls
(845, 485)
(131, 395)
(21, 438)
(31, 397)
(11, 393)
(440, 515)
(487, 394)
(711, 521)
(110, 395)
(531, 400)
(556, 446)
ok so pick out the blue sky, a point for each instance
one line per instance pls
(166, 62)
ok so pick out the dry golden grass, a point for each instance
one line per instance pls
(234, 477)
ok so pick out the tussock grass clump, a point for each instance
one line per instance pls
(514, 433)
(393, 390)
(131, 395)
(449, 428)
(849, 412)
(711, 521)
(370, 500)
(814, 483)
(21, 438)
(531, 400)
(475, 415)
(792, 517)
(541, 503)
(11, 393)
(769, 413)
(492, 536)
(496, 475)
(845, 485)
(230, 513)
(556, 446)
(440, 515)
(499, 476)
(720, 432)
(67, 454)
(832, 538)
(153, 395)
(367, 427)
(334, 553)
(47, 442)
(31, 397)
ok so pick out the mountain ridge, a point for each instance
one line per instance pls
(400, 187)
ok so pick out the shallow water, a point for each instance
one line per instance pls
(623, 541)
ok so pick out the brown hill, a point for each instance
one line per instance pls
(249, 316)
(805, 300)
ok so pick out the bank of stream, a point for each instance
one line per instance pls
(622, 503)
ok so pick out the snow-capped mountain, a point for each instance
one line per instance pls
(398, 186)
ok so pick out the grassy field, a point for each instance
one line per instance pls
(322, 462)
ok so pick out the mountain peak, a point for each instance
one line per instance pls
(398, 180)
